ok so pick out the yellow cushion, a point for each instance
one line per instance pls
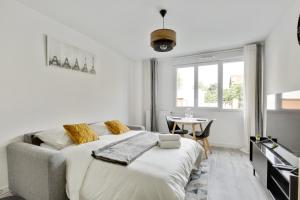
(116, 127)
(81, 133)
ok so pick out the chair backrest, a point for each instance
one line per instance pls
(206, 131)
(170, 124)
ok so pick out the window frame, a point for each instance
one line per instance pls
(175, 86)
(196, 107)
(196, 88)
(228, 61)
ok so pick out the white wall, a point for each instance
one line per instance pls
(283, 62)
(35, 97)
(284, 125)
(136, 115)
(283, 54)
(282, 72)
(226, 131)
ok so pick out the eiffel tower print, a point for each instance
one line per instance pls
(66, 64)
(84, 69)
(76, 66)
(63, 55)
(93, 71)
(54, 61)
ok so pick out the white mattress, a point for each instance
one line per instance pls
(159, 174)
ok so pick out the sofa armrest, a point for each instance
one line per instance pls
(136, 127)
(36, 173)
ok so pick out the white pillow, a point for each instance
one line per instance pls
(47, 146)
(56, 138)
(100, 129)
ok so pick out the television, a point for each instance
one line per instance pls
(283, 119)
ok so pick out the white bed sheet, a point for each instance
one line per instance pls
(159, 174)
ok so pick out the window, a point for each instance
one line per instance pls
(208, 86)
(185, 87)
(291, 100)
(233, 78)
(211, 85)
(284, 101)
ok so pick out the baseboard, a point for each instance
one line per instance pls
(225, 145)
(5, 192)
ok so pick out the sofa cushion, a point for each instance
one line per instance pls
(81, 133)
(56, 138)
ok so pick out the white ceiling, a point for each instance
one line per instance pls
(201, 25)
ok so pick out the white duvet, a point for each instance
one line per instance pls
(159, 174)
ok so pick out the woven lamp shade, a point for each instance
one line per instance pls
(163, 40)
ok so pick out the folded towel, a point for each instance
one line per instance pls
(169, 144)
(169, 137)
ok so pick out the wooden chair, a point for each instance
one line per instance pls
(203, 136)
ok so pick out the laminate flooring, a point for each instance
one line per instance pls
(231, 177)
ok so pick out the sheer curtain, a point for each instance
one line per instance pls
(253, 93)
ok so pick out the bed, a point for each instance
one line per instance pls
(39, 172)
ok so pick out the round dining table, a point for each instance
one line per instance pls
(189, 121)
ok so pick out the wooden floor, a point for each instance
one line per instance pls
(231, 178)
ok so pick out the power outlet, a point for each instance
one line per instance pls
(4, 192)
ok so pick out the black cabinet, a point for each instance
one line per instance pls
(282, 184)
(259, 162)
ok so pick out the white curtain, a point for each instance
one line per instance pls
(250, 80)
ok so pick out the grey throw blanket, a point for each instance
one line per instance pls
(126, 151)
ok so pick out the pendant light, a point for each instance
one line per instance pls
(163, 40)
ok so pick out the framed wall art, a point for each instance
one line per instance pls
(67, 56)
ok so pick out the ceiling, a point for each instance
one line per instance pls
(201, 25)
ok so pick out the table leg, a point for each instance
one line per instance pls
(201, 128)
(173, 131)
(208, 145)
(205, 148)
(194, 134)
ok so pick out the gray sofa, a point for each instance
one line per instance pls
(38, 173)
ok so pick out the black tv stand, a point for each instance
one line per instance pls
(281, 183)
